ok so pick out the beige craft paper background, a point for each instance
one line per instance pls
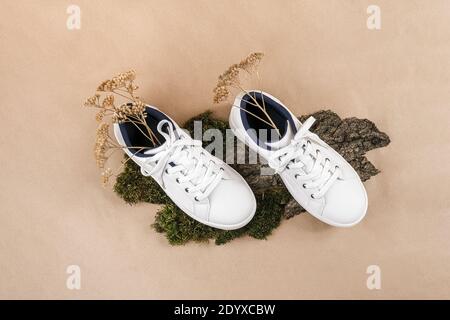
(54, 213)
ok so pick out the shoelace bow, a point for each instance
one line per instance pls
(317, 170)
(184, 156)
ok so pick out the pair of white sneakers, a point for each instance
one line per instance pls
(213, 193)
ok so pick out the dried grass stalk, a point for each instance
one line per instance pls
(230, 79)
(111, 111)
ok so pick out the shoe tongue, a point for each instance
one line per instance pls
(285, 139)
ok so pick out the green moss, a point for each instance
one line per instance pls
(133, 187)
(269, 214)
(179, 228)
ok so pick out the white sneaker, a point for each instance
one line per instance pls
(318, 178)
(201, 185)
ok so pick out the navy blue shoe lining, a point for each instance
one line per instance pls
(255, 127)
(133, 137)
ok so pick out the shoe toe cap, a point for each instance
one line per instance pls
(232, 204)
(346, 203)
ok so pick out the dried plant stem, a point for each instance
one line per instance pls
(254, 115)
(259, 78)
(122, 95)
(264, 103)
(134, 123)
(114, 149)
(230, 79)
(122, 90)
(133, 110)
(129, 158)
(150, 131)
(151, 135)
(263, 109)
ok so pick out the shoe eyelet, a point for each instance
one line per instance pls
(296, 176)
(304, 186)
(166, 171)
(327, 159)
(196, 199)
(287, 167)
(177, 180)
(186, 190)
(312, 196)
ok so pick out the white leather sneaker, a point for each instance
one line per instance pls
(201, 185)
(318, 178)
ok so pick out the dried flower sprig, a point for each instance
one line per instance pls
(105, 146)
(103, 143)
(230, 79)
(106, 175)
(122, 80)
(131, 111)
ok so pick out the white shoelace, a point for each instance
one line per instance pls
(186, 158)
(317, 170)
